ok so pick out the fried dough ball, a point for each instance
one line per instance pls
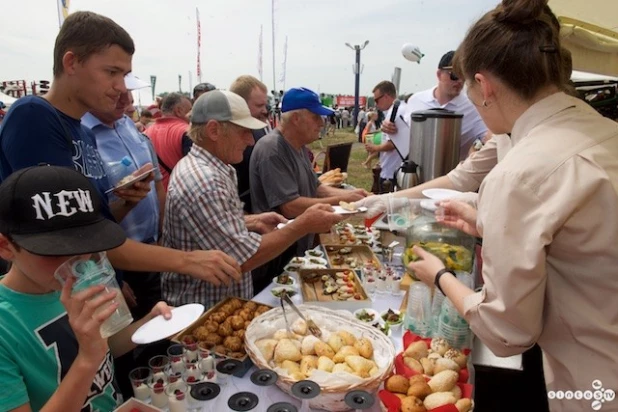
(225, 329)
(218, 317)
(247, 323)
(201, 332)
(235, 303)
(237, 322)
(237, 312)
(397, 384)
(412, 404)
(261, 309)
(239, 333)
(246, 314)
(211, 326)
(250, 305)
(213, 338)
(220, 349)
(232, 343)
(236, 355)
(227, 308)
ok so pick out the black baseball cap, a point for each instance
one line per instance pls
(55, 211)
(203, 88)
(446, 62)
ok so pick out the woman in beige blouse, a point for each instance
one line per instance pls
(547, 212)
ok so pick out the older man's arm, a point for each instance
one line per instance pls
(326, 195)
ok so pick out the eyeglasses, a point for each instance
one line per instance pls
(377, 99)
(453, 76)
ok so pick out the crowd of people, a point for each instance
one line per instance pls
(201, 223)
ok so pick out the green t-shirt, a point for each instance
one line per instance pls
(37, 348)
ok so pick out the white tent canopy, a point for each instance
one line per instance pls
(6, 99)
(589, 32)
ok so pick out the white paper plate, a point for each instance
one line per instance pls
(158, 328)
(440, 194)
(129, 183)
(341, 211)
(282, 225)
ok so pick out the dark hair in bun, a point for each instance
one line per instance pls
(518, 42)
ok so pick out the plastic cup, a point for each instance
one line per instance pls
(177, 397)
(418, 314)
(177, 359)
(158, 397)
(140, 377)
(92, 270)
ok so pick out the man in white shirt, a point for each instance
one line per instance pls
(447, 95)
(396, 145)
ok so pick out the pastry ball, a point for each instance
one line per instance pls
(213, 338)
(261, 309)
(417, 378)
(222, 350)
(246, 314)
(227, 309)
(412, 404)
(247, 323)
(237, 322)
(218, 317)
(201, 332)
(397, 384)
(250, 305)
(235, 303)
(211, 326)
(225, 330)
(239, 333)
(419, 389)
(236, 355)
(232, 343)
(237, 312)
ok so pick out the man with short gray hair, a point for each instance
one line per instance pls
(169, 133)
(203, 210)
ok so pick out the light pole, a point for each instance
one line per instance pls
(357, 69)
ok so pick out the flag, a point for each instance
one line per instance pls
(63, 11)
(199, 44)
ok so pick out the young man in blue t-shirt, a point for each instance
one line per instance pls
(92, 55)
(52, 355)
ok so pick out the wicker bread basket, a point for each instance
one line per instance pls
(331, 397)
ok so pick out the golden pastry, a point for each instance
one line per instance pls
(419, 389)
(211, 326)
(298, 376)
(414, 365)
(437, 399)
(323, 349)
(201, 332)
(220, 349)
(213, 338)
(348, 338)
(237, 322)
(218, 317)
(308, 345)
(299, 327)
(308, 364)
(266, 348)
(456, 391)
(401, 396)
(325, 364)
(343, 352)
(336, 342)
(364, 347)
(412, 404)
(250, 305)
(246, 314)
(397, 384)
(236, 304)
(443, 381)
(239, 333)
(227, 309)
(417, 350)
(417, 378)
(464, 405)
(427, 365)
(236, 355)
(247, 323)
(232, 343)
(360, 365)
(290, 366)
(287, 350)
(261, 309)
(225, 329)
(342, 367)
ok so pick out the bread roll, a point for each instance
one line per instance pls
(412, 404)
(443, 381)
(414, 365)
(440, 345)
(348, 338)
(397, 384)
(464, 405)
(364, 347)
(428, 366)
(266, 348)
(299, 327)
(419, 389)
(417, 350)
(457, 356)
(323, 349)
(308, 364)
(325, 364)
(343, 352)
(360, 365)
(342, 367)
(444, 365)
(336, 342)
(308, 345)
(437, 399)
(287, 350)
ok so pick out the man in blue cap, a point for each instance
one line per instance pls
(281, 177)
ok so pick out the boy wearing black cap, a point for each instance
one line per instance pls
(52, 355)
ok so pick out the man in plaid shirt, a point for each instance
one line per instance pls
(203, 210)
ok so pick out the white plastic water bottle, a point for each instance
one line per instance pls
(118, 170)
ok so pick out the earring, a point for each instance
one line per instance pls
(485, 103)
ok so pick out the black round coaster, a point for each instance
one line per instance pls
(305, 389)
(264, 377)
(228, 366)
(243, 401)
(359, 400)
(282, 407)
(205, 391)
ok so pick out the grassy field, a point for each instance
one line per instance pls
(358, 175)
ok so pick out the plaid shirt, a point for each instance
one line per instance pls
(203, 212)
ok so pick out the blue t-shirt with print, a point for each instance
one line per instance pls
(34, 132)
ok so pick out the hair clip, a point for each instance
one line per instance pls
(548, 49)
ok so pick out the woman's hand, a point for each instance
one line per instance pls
(426, 268)
(458, 215)
(161, 308)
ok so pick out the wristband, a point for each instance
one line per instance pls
(439, 275)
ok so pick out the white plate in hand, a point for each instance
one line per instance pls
(341, 211)
(159, 328)
(440, 194)
(282, 225)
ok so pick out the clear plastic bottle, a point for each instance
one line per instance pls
(436, 310)
(453, 327)
(418, 314)
(118, 170)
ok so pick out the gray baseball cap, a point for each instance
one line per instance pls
(224, 106)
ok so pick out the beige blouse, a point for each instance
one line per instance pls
(548, 214)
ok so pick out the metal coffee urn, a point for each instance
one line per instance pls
(434, 147)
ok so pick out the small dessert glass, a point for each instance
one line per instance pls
(139, 378)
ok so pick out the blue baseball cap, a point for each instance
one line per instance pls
(300, 98)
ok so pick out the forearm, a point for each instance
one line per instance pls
(335, 193)
(74, 388)
(140, 257)
(385, 147)
(121, 342)
(297, 207)
(120, 209)
(273, 244)
(161, 195)
(416, 192)
(455, 291)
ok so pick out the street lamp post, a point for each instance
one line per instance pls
(357, 69)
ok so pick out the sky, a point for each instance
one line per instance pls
(165, 36)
